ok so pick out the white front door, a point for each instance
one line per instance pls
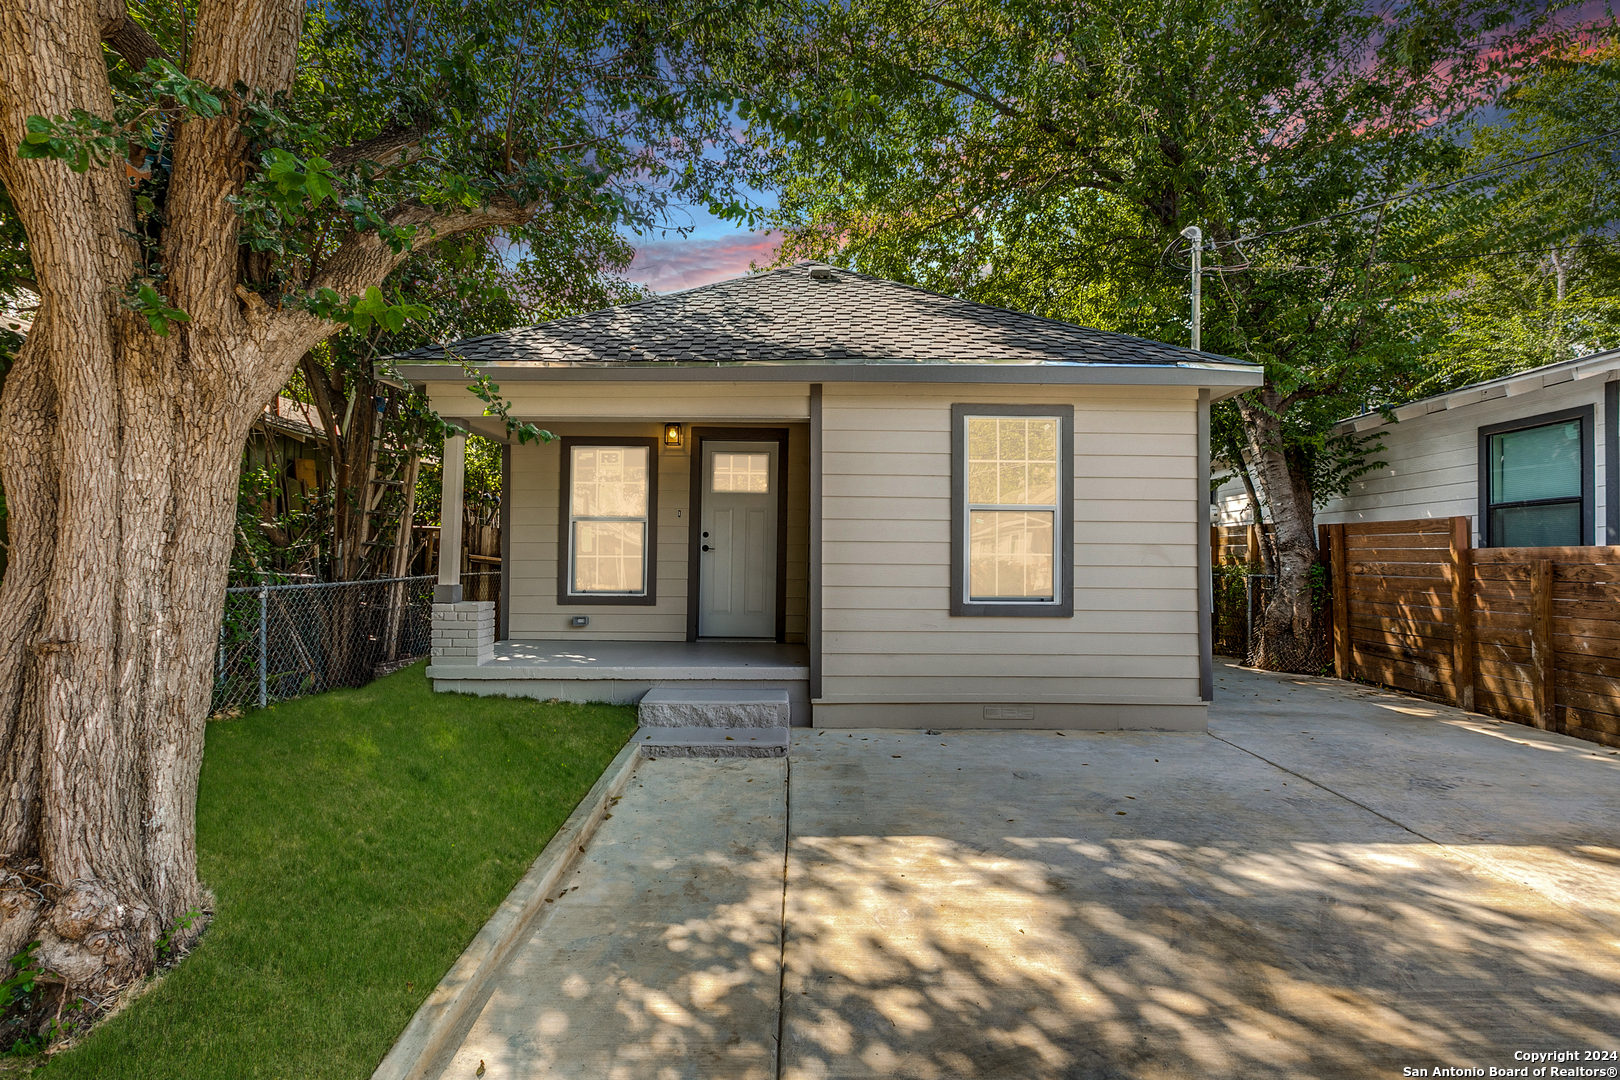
(737, 566)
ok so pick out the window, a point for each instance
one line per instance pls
(1536, 481)
(1012, 502)
(742, 472)
(609, 500)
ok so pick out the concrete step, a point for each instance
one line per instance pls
(715, 707)
(713, 742)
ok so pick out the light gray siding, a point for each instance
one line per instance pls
(1432, 468)
(889, 637)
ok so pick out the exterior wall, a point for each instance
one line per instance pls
(692, 402)
(535, 503)
(889, 642)
(1433, 460)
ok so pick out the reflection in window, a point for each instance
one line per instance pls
(1535, 487)
(608, 519)
(1012, 494)
(742, 472)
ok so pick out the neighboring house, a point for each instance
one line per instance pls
(1532, 458)
(894, 507)
(287, 438)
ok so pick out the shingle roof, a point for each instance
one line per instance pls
(787, 315)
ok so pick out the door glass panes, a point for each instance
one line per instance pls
(742, 472)
(1012, 495)
(1536, 489)
(608, 512)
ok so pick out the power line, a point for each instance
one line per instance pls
(1218, 244)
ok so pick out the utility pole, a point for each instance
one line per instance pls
(1196, 235)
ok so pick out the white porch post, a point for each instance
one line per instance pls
(451, 481)
(463, 630)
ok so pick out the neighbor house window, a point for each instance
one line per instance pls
(1536, 481)
(1012, 504)
(609, 496)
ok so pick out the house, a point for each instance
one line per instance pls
(1532, 458)
(877, 505)
(288, 440)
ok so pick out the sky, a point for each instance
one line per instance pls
(672, 264)
(715, 250)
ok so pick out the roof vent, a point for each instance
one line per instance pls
(821, 272)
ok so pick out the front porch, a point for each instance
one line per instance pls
(622, 672)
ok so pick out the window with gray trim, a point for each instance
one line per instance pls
(1012, 508)
(1536, 480)
(607, 515)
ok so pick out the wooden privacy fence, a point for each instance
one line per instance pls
(1525, 634)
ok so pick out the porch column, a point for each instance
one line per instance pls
(463, 630)
(451, 481)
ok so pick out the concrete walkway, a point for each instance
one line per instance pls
(1335, 882)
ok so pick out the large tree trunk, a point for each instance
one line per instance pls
(121, 453)
(120, 464)
(1291, 632)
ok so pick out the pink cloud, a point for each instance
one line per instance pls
(670, 265)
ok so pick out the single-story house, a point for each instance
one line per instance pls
(901, 508)
(1533, 458)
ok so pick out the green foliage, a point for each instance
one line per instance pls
(354, 842)
(1038, 156)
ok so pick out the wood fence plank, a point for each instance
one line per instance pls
(1462, 604)
(1370, 604)
(1341, 611)
(1421, 525)
(1594, 555)
(1541, 643)
(1415, 543)
(1506, 708)
(1429, 568)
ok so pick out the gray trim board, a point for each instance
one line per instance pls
(812, 636)
(694, 535)
(1206, 568)
(1233, 378)
(564, 559)
(1583, 413)
(503, 628)
(1063, 538)
(1611, 462)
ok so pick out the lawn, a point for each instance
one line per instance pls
(355, 843)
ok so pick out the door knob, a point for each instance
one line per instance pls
(705, 547)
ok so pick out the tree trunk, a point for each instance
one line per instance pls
(1291, 636)
(121, 453)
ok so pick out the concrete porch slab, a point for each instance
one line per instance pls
(638, 660)
(622, 672)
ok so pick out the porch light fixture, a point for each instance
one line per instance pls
(672, 435)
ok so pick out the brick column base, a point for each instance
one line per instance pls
(464, 633)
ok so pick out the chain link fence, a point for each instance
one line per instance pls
(278, 642)
(1240, 598)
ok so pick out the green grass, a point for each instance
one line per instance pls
(355, 843)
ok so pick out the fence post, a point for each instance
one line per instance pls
(1541, 652)
(1462, 612)
(1341, 603)
(264, 645)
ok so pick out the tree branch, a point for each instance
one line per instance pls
(363, 259)
(131, 41)
(396, 143)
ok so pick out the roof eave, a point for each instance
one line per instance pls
(1231, 377)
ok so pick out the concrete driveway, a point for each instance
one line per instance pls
(1334, 882)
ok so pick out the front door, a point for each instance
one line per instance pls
(737, 567)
